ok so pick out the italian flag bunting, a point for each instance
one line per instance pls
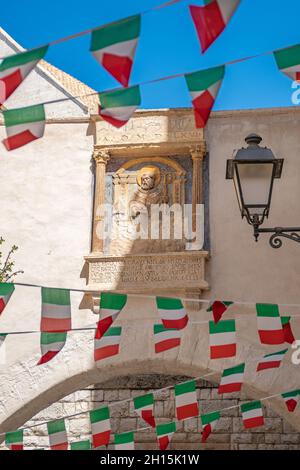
(109, 344)
(211, 19)
(287, 330)
(252, 414)
(271, 361)
(6, 291)
(14, 440)
(269, 324)
(164, 434)
(172, 313)
(110, 307)
(288, 61)
(51, 345)
(186, 400)
(291, 399)
(232, 379)
(222, 339)
(218, 308)
(2, 338)
(124, 441)
(57, 435)
(23, 125)
(114, 46)
(117, 107)
(56, 310)
(209, 422)
(15, 68)
(204, 87)
(100, 424)
(81, 445)
(144, 407)
(165, 338)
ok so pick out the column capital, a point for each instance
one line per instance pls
(101, 156)
(198, 151)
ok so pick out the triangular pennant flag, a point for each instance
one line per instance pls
(271, 361)
(211, 19)
(14, 440)
(186, 400)
(2, 338)
(172, 313)
(57, 435)
(24, 125)
(81, 445)
(204, 87)
(164, 434)
(117, 107)
(232, 379)
(109, 344)
(51, 345)
(165, 338)
(288, 61)
(124, 441)
(114, 46)
(252, 414)
(291, 399)
(218, 308)
(6, 291)
(209, 422)
(56, 310)
(222, 339)
(110, 307)
(269, 324)
(100, 424)
(15, 68)
(287, 330)
(144, 407)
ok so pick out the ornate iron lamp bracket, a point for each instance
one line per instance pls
(292, 233)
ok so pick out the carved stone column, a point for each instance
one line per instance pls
(101, 158)
(197, 153)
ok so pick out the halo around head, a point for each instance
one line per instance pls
(150, 170)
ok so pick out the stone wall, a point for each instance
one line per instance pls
(229, 433)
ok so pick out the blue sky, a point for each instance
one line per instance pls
(168, 45)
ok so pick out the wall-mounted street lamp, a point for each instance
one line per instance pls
(253, 170)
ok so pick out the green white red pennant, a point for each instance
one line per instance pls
(144, 407)
(165, 338)
(288, 61)
(57, 435)
(222, 339)
(232, 379)
(164, 434)
(124, 441)
(114, 47)
(186, 400)
(51, 345)
(287, 330)
(6, 291)
(15, 68)
(2, 338)
(209, 422)
(101, 428)
(23, 125)
(117, 107)
(14, 440)
(218, 308)
(291, 399)
(211, 19)
(110, 307)
(81, 445)
(271, 361)
(252, 414)
(204, 87)
(109, 344)
(56, 310)
(172, 312)
(269, 324)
